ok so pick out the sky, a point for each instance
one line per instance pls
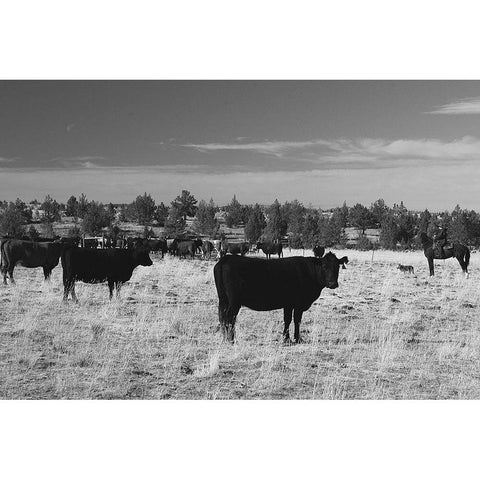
(321, 142)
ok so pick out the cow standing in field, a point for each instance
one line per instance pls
(234, 248)
(114, 266)
(188, 248)
(30, 255)
(290, 283)
(207, 249)
(270, 248)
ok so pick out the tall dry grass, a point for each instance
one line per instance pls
(381, 334)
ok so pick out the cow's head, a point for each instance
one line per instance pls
(141, 256)
(330, 267)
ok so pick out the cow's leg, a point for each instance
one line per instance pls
(297, 318)
(10, 273)
(4, 273)
(111, 285)
(46, 273)
(430, 266)
(69, 287)
(118, 287)
(287, 319)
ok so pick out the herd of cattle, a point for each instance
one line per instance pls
(291, 284)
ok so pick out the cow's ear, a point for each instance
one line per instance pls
(343, 261)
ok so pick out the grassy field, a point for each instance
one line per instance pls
(381, 335)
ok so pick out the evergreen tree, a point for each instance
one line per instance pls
(360, 217)
(71, 207)
(33, 233)
(82, 206)
(12, 222)
(310, 232)
(234, 213)
(378, 210)
(96, 218)
(389, 232)
(255, 224)
(185, 204)
(24, 210)
(276, 225)
(161, 214)
(51, 210)
(175, 222)
(205, 221)
(144, 207)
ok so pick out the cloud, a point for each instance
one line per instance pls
(7, 160)
(277, 148)
(355, 153)
(82, 161)
(467, 106)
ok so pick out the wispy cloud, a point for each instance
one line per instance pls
(277, 148)
(7, 160)
(467, 106)
(358, 152)
(82, 161)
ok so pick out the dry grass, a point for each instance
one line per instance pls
(381, 334)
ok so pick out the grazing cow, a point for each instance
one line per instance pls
(270, 248)
(405, 268)
(96, 266)
(207, 249)
(234, 248)
(188, 248)
(157, 245)
(292, 283)
(30, 255)
(318, 251)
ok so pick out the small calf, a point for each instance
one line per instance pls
(405, 268)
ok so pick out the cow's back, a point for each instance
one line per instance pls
(32, 254)
(97, 265)
(267, 285)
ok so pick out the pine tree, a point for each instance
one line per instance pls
(276, 224)
(175, 222)
(12, 222)
(185, 204)
(72, 206)
(234, 213)
(51, 210)
(205, 221)
(144, 207)
(96, 218)
(255, 224)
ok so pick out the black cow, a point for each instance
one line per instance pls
(270, 248)
(90, 243)
(157, 245)
(292, 283)
(188, 248)
(234, 248)
(318, 251)
(207, 249)
(71, 241)
(114, 266)
(30, 255)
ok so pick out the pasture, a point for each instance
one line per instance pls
(382, 334)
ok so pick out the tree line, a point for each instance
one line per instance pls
(300, 225)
